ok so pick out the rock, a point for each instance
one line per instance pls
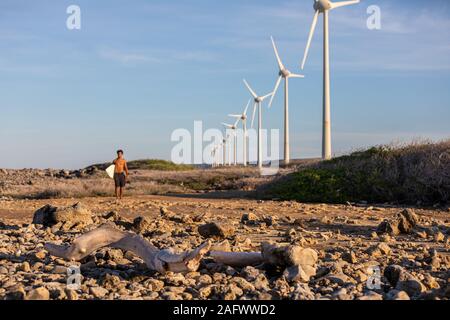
(71, 216)
(40, 293)
(404, 222)
(298, 274)
(216, 230)
(16, 292)
(340, 279)
(439, 237)
(349, 257)
(141, 224)
(289, 255)
(98, 292)
(397, 295)
(302, 292)
(71, 294)
(402, 280)
(40, 255)
(59, 270)
(371, 295)
(249, 219)
(250, 273)
(24, 267)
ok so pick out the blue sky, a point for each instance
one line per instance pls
(138, 70)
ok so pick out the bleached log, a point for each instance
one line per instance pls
(237, 259)
(108, 236)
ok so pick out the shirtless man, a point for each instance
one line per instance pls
(120, 174)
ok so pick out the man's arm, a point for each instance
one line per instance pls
(126, 168)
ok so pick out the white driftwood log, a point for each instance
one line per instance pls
(108, 236)
(237, 259)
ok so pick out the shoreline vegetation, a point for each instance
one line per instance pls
(414, 174)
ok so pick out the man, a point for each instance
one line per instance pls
(120, 174)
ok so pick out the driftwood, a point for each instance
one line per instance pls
(166, 260)
(108, 236)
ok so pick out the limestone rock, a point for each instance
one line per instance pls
(216, 230)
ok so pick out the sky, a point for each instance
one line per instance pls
(138, 70)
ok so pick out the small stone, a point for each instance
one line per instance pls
(296, 274)
(98, 292)
(439, 237)
(397, 295)
(349, 257)
(71, 294)
(249, 219)
(40, 293)
(24, 267)
(40, 255)
(371, 296)
(216, 230)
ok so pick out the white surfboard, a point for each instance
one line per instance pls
(110, 171)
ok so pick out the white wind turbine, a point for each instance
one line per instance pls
(258, 101)
(286, 75)
(243, 117)
(233, 127)
(324, 6)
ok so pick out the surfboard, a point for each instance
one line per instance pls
(110, 171)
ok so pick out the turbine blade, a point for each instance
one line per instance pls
(294, 75)
(236, 123)
(335, 5)
(227, 125)
(246, 108)
(250, 89)
(275, 91)
(235, 115)
(311, 33)
(266, 96)
(280, 63)
(254, 113)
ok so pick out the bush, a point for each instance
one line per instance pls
(417, 173)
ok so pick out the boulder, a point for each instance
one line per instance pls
(402, 280)
(403, 223)
(76, 215)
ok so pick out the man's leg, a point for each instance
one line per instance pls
(117, 192)
(121, 193)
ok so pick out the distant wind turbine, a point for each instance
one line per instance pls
(243, 117)
(233, 127)
(258, 101)
(324, 6)
(286, 75)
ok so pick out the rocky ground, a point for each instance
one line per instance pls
(411, 249)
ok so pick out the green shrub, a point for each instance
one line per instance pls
(418, 173)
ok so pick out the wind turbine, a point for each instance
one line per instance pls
(233, 127)
(258, 101)
(243, 117)
(324, 6)
(286, 75)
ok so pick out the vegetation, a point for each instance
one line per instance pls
(148, 164)
(159, 165)
(413, 174)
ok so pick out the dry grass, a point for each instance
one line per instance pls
(418, 173)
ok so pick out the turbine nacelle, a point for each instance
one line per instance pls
(323, 5)
(285, 73)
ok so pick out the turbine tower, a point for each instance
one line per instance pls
(324, 6)
(233, 127)
(286, 75)
(243, 117)
(258, 101)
